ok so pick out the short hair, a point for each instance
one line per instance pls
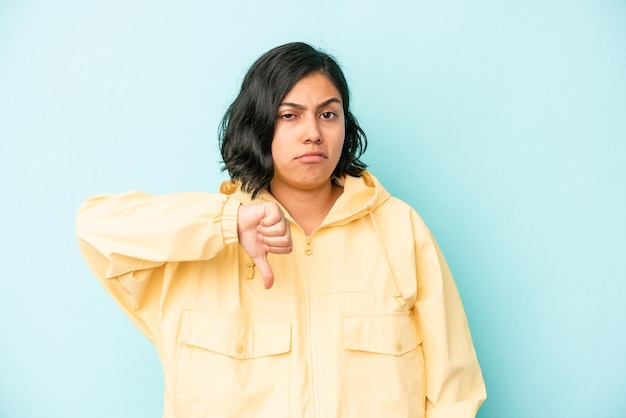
(247, 128)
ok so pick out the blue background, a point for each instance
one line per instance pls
(502, 122)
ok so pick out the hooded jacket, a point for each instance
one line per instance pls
(363, 319)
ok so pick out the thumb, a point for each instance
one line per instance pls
(266, 271)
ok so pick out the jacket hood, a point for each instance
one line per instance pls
(361, 195)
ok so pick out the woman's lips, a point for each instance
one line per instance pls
(312, 157)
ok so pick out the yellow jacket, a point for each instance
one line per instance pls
(364, 319)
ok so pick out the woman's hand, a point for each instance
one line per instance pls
(263, 229)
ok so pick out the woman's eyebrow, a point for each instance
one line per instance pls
(290, 104)
(329, 101)
(302, 107)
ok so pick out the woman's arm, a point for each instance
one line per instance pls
(136, 231)
(454, 382)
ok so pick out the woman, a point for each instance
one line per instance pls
(301, 289)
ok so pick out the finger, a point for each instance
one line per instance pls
(270, 220)
(265, 270)
(275, 230)
(278, 229)
(273, 215)
(283, 241)
(280, 250)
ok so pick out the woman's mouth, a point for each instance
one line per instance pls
(312, 157)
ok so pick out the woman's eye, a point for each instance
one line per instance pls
(288, 116)
(328, 115)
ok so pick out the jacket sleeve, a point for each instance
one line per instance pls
(128, 239)
(454, 382)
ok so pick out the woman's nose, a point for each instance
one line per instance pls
(312, 133)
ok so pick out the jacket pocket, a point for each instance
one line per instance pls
(232, 367)
(384, 366)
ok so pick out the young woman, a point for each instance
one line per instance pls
(302, 288)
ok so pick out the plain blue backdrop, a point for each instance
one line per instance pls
(502, 122)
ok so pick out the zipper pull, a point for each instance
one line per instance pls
(309, 247)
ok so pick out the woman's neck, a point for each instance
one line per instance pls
(308, 207)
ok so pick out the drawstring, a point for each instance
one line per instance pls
(397, 294)
(250, 269)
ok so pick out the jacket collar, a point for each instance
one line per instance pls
(360, 196)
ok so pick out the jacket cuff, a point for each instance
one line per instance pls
(230, 214)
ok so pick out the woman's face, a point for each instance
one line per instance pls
(309, 134)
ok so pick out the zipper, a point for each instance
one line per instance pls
(313, 334)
